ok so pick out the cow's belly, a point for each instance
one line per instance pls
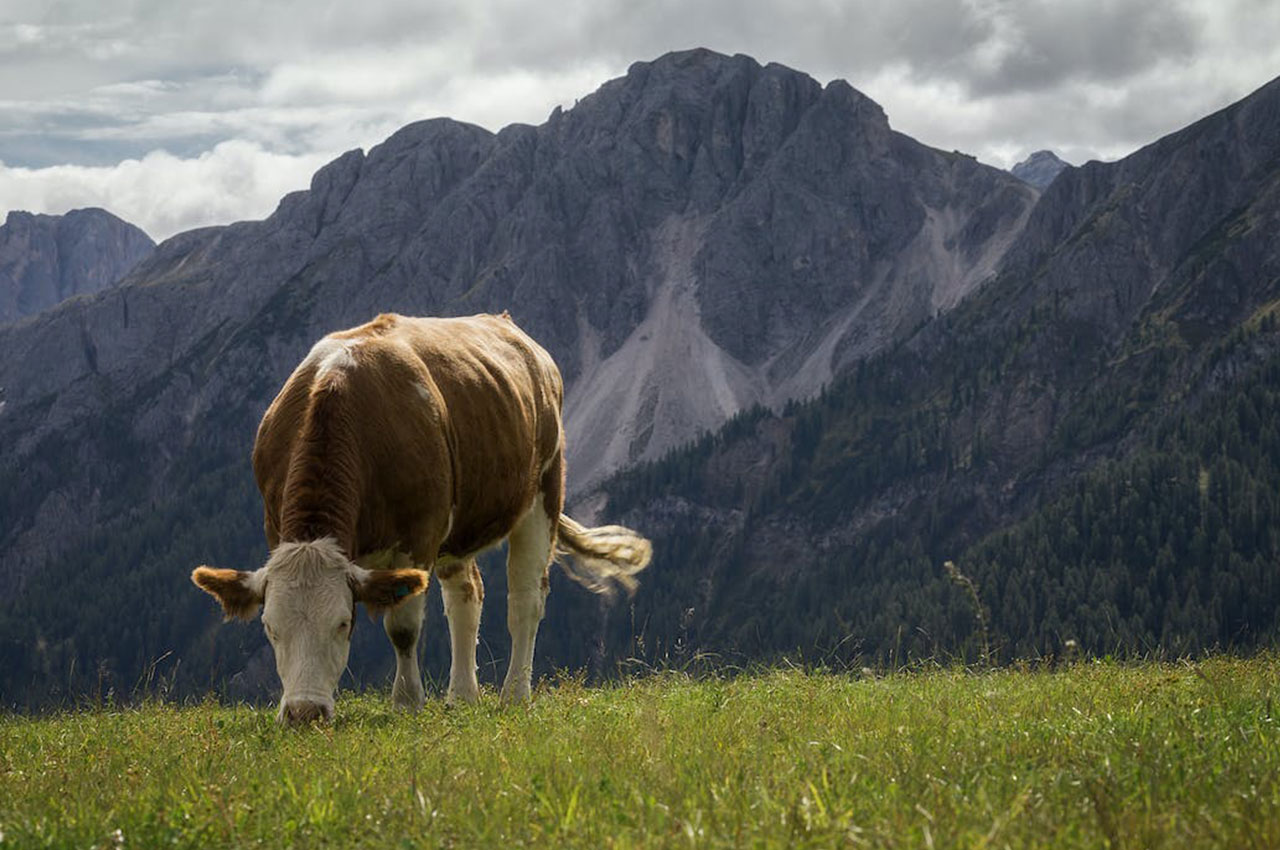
(398, 559)
(394, 558)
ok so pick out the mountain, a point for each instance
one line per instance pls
(1092, 438)
(45, 259)
(1039, 169)
(698, 237)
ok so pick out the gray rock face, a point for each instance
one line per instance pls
(1137, 291)
(1107, 240)
(1039, 169)
(699, 236)
(778, 230)
(45, 259)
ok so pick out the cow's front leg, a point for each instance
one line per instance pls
(528, 557)
(403, 625)
(463, 597)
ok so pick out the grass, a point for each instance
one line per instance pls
(1091, 755)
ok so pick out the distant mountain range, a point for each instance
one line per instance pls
(45, 259)
(703, 240)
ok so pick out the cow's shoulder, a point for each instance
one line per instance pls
(381, 325)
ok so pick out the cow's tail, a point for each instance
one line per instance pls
(602, 557)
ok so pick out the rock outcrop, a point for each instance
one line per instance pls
(45, 259)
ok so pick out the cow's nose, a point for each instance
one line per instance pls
(305, 711)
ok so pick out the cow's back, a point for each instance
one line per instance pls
(453, 423)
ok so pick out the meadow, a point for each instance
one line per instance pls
(1092, 754)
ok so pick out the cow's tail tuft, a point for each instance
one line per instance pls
(602, 557)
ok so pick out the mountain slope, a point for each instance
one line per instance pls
(1091, 436)
(700, 236)
(45, 259)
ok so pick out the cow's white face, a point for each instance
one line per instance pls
(308, 592)
(308, 620)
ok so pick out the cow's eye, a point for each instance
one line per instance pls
(271, 635)
(343, 626)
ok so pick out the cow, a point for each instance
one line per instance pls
(396, 449)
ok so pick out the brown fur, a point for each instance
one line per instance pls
(230, 587)
(473, 588)
(323, 471)
(449, 570)
(384, 588)
(361, 455)
(428, 418)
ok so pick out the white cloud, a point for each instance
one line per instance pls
(1082, 102)
(164, 194)
(268, 91)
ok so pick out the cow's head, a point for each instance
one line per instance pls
(308, 593)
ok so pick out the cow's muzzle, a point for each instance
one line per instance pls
(298, 712)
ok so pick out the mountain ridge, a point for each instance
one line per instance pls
(45, 259)
(1039, 169)
(737, 225)
(1116, 376)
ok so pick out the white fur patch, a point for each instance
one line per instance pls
(329, 354)
(424, 391)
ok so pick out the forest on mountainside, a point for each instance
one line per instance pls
(1166, 543)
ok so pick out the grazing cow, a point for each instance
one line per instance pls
(395, 449)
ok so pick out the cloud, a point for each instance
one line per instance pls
(97, 92)
(1122, 76)
(164, 194)
(1033, 46)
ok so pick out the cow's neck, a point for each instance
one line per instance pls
(321, 497)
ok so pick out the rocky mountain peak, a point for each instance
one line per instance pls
(1039, 169)
(45, 259)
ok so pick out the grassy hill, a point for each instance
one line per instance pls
(1087, 755)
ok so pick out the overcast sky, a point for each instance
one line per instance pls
(179, 113)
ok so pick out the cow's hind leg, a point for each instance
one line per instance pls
(463, 598)
(528, 558)
(403, 625)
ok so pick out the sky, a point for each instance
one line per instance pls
(176, 114)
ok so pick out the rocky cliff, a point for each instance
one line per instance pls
(1091, 436)
(45, 259)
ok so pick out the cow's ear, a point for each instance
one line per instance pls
(382, 589)
(239, 592)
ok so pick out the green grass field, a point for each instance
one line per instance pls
(1093, 755)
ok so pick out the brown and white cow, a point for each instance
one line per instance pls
(395, 449)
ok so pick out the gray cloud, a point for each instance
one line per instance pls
(1035, 46)
(107, 84)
